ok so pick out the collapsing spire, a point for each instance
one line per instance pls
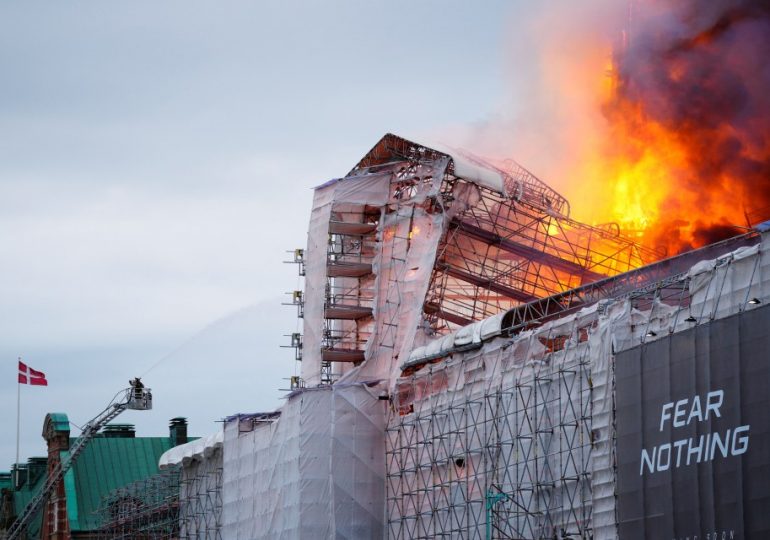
(421, 237)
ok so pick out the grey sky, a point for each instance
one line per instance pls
(156, 160)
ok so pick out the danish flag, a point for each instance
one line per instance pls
(27, 375)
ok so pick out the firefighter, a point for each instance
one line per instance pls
(138, 387)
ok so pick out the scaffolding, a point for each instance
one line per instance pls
(180, 502)
(505, 457)
(316, 470)
(200, 505)
(147, 508)
(458, 310)
(515, 437)
(513, 248)
(458, 237)
(505, 247)
(350, 285)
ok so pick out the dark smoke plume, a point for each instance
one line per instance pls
(702, 70)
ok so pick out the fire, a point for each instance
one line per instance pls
(640, 168)
(641, 162)
(684, 156)
(656, 193)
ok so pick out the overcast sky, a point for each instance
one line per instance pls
(156, 163)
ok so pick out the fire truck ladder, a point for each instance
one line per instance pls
(136, 398)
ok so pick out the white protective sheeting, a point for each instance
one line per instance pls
(491, 326)
(721, 286)
(433, 348)
(467, 170)
(197, 449)
(519, 436)
(478, 446)
(315, 282)
(366, 188)
(469, 335)
(418, 353)
(409, 241)
(316, 472)
(447, 344)
(602, 424)
(478, 175)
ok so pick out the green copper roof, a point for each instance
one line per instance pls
(5, 480)
(60, 421)
(106, 464)
(23, 496)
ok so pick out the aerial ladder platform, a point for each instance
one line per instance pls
(137, 398)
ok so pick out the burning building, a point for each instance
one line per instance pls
(477, 364)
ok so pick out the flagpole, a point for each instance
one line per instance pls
(18, 416)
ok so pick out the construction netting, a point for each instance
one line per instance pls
(495, 435)
(415, 242)
(314, 471)
(501, 442)
(516, 439)
(183, 501)
(421, 412)
(358, 280)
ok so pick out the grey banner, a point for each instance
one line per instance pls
(693, 432)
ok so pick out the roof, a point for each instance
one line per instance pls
(391, 146)
(105, 464)
(59, 421)
(23, 496)
(5, 480)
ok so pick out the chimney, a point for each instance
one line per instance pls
(19, 472)
(177, 431)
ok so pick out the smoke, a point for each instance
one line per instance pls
(654, 114)
(554, 60)
(699, 69)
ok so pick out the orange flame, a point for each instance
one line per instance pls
(651, 188)
(677, 165)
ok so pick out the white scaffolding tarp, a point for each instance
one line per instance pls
(315, 282)
(315, 472)
(517, 439)
(484, 444)
(198, 449)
